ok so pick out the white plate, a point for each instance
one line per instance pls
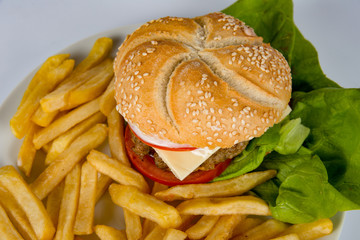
(106, 212)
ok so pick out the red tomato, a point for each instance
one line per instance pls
(147, 167)
(163, 147)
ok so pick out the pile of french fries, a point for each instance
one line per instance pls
(69, 113)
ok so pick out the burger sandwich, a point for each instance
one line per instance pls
(194, 92)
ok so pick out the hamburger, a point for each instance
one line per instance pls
(194, 92)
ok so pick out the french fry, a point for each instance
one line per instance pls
(69, 204)
(116, 137)
(202, 227)
(266, 230)
(64, 123)
(42, 118)
(132, 225)
(311, 230)
(108, 233)
(107, 100)
(117, 171)
(224, 227)
(156, 234)
(58, 99)
(102, 185)
(148, 226)
(291, 236)
(50, 63)
(145, 205)
(85, 212)
(29, 203)
(78, 149)
(223, 206)
(247, 224)
(157, 187)
(97, 54)
(7, 229)
(92, 88)
(46, 147)
(27, 151)
(64, 140)
(174, 234)
(187, 221)
(16, 215)
(53, 203)
(21, 120)
(232, 187)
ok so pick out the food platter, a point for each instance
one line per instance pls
(106, 212)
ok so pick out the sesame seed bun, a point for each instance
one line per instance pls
(206, 82)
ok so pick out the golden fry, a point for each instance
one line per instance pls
(64, 123)
(27, 151)
(53, 203)
(291, 236)
(107, 100)
(247, 224)
(221, 206)
(117, 171)
(232, 187)
(148, 226)
(102, 185)
(30, 204)
(145, 205)
(7, 229)
(92, 88)
(116, 137)
(133, 225)
(85, 212)
(69, 204)
(42, 118)
(21, 120)
(58, 99)
(157, 187)
(156, 234)
(50, 63)
(224, 227)
(174, 234)
(64, 140)
(109, 233)
(78, 149)
(311, 230)
(264, 231)
(202, 227)
(97, 54)
(16, 215)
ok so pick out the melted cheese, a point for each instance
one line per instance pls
(182, 163)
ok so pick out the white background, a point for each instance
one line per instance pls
(31, 31)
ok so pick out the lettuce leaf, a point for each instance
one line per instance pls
(301, 191)
(285, 138)
(273, 20)
(333, 115)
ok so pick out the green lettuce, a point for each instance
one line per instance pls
(285, 138)
(333, 115)
(301, 191)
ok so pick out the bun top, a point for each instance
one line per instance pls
(207, 82)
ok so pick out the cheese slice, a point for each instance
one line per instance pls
(182, 163)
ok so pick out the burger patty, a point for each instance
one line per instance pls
(141, 149)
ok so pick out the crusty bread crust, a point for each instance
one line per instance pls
(207, 82)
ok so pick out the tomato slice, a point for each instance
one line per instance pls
(147, 167)
(163, 147)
